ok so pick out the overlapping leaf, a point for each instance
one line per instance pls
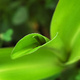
(48, 56)
(66, 21)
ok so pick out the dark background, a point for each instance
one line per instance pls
(21, 17)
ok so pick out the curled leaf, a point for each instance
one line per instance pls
(46, 59)
(28, 44)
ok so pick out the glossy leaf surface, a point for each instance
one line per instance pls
(49, 54)
(39, 65)
(66, 21)
(28, 44)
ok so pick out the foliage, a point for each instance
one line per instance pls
(36, 57)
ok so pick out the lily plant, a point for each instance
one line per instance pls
(36, 57)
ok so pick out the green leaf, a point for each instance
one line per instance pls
(66, 21)
(47, 56)
(20, 16)
(33, 42)
(75, 54)
(28, 44)
(7, 36)
(53, 77)
(39, 65)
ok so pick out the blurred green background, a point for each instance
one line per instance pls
(21, 17)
